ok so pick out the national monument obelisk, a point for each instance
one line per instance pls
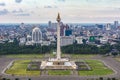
(58, 37)
(58, 62)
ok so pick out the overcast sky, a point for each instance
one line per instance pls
(34, 11)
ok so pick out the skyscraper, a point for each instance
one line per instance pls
(50, 24)
(36, 35)
(116, 24)
(108, 27)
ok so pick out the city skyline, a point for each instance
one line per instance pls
(38, 11)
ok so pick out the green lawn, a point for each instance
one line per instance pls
(82, 56)
(25, 56)
(19, 68)
(74, 56)
(59, 72)
(98, 68)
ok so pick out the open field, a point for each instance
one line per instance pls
(73, 56)
(85, 56)
(110, 61)
(98, 68)
(20, 68)
(25, 56)
(59, 72)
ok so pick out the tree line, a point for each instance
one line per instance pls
(15, 48)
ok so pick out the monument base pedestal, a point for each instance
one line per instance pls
(61, 64)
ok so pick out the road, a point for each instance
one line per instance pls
(109, 61)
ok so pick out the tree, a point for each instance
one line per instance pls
(114, 54)
(4, 79)
(29, 79)
(108, 79)
(84, 41)
(101, 78)
(16, 78)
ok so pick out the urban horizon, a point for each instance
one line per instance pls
(77, 11)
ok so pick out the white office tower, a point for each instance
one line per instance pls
(66, 40)
(36, 35)
(108, 27)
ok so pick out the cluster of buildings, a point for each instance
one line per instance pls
(46, 34)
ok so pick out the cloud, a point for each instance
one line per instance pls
(2, 4)
(61, 0)
(48, 6)
(23, 14)
(20, 12)
(17, 11)
(18, 1)
(4, 12)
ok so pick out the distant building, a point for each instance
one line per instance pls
(116, 24)
(22, 41)
(36, 35)
(92, 39)
(54, 25)
(66, 40)
(108, 27)
(46, 43)
(49, 24)
(22, 26)
(68, 32)
(99, 26)
(62, 27)
(29, 38)
(79, 40)
(104, 40)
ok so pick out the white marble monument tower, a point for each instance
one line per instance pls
(58, 62)
(58, 38)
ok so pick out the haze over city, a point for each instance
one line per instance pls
(75, 11)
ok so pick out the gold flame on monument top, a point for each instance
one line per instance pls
(58, 17)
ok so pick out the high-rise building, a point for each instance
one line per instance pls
(108, 27)
(68, 32)
(79, 40)
(66, 40)
(50, 24)
(54, 25)
(36, 35)
(116, 24)
(22, 25)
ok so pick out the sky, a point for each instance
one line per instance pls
(74, 11)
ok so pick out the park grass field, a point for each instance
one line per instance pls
(98, 68)
(74, 56)
(20, 68)
(59, 72)
(82, 56)
(25, 56)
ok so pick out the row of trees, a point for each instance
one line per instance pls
(14, 48)
(87, 49)
(11, 48)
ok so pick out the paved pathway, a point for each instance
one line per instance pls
(115, 65)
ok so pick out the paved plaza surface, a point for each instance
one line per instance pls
(109, 61)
